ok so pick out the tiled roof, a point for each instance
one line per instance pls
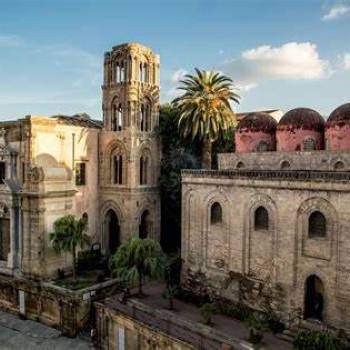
(80, 119)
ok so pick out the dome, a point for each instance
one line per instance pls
(339, 117)
(301, 118)
(256, 122)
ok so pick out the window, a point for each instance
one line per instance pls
(215, 213)
(2, 172)
(263, 146)
(117, 177)
(240, 165)
(4, 238)
(143, 170)
(261, 219)
(80, 174)
(339, 165)
(114, 118)
(117, 73)
(317, 225)
(85, 217)
(309, 145)
(120, 118)
(142, 118)
(285, 165)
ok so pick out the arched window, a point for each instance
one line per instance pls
(117, 170)
(261, 219)
(122, 72)
(114, 118)
(145, 227)
(144, 163)
(141, 72)
(285, 165)
(143, 118)
(240, 165)
(309, 144)
(215, 213)
(263, 146)
(317, 225)
(117, 73)
(120, 118)
(85, 217)
(339, 165)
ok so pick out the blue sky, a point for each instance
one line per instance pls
(281, 53)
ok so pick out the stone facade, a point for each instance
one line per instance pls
(271, 237)
(107, 172)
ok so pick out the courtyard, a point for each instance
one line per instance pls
(19, 334)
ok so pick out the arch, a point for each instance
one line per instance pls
(146, 115)
(339, 165)
(263, 146)
(309, 144)
(240, 165)
(145, 167)
(115, 164)
(317, 225)
(314, 298)
(285, 165)
(215, 213)
(261, 219)
(145, 226)
(85, 217)
(112, 228)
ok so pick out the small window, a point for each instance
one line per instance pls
(309, 145)
(317, 225)
(2, 172)
(263, 146)
(117, 170)
(85, 217)
(80, 174)
(285, 165)
(240, 165)
(261, 219)
(143, 170)
(215, 213)
(339, 165)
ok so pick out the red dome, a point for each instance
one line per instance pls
(338, 129)
(301, 118)
(339, 117)
(256, 122)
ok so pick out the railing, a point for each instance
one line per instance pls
(298, 175)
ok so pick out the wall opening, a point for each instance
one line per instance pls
(314, 298)
(317, 225)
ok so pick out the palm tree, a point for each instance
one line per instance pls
(68, 234)
(205, 111)
(136, 259)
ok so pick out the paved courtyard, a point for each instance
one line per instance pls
(29, 335)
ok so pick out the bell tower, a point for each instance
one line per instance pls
(129, 145)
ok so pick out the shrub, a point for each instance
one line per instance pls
(207, 310)
(257, 325)
(274, 323)
(317, 340)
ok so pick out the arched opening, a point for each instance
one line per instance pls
(314, 298)
(263, 146)
(144, 165)
(215, 213)
(143, 117)
(240, 165)
(317, 225)
(117, 170)
(261, 219)
(4, 237)
(309, 144)
(339, 165)
(113, 231)
(120, 118)
(117, 73)
(285, 165)
(145, 226)
(85, 217)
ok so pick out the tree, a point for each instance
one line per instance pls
(205, 111)
(136, 259)
(68, 234)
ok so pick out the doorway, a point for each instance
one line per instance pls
(314, 298)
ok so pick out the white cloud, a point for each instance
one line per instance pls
(335, 12)
(346, 61)
(10, 41)
(178, 75)
(291, 61)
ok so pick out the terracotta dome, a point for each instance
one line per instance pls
(300, 129)
(338, 129)
(256, 133)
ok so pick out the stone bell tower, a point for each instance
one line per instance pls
(129, 145)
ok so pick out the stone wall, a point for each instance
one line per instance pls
(267, 268)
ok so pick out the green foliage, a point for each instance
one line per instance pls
(274, 323)
(136, 259)
(237, 311)
(257, 325)
(170, 294)
(317, 340)
(68, 234)
(205, 110)
(207, 310)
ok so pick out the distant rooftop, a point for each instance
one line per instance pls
(275, 113)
